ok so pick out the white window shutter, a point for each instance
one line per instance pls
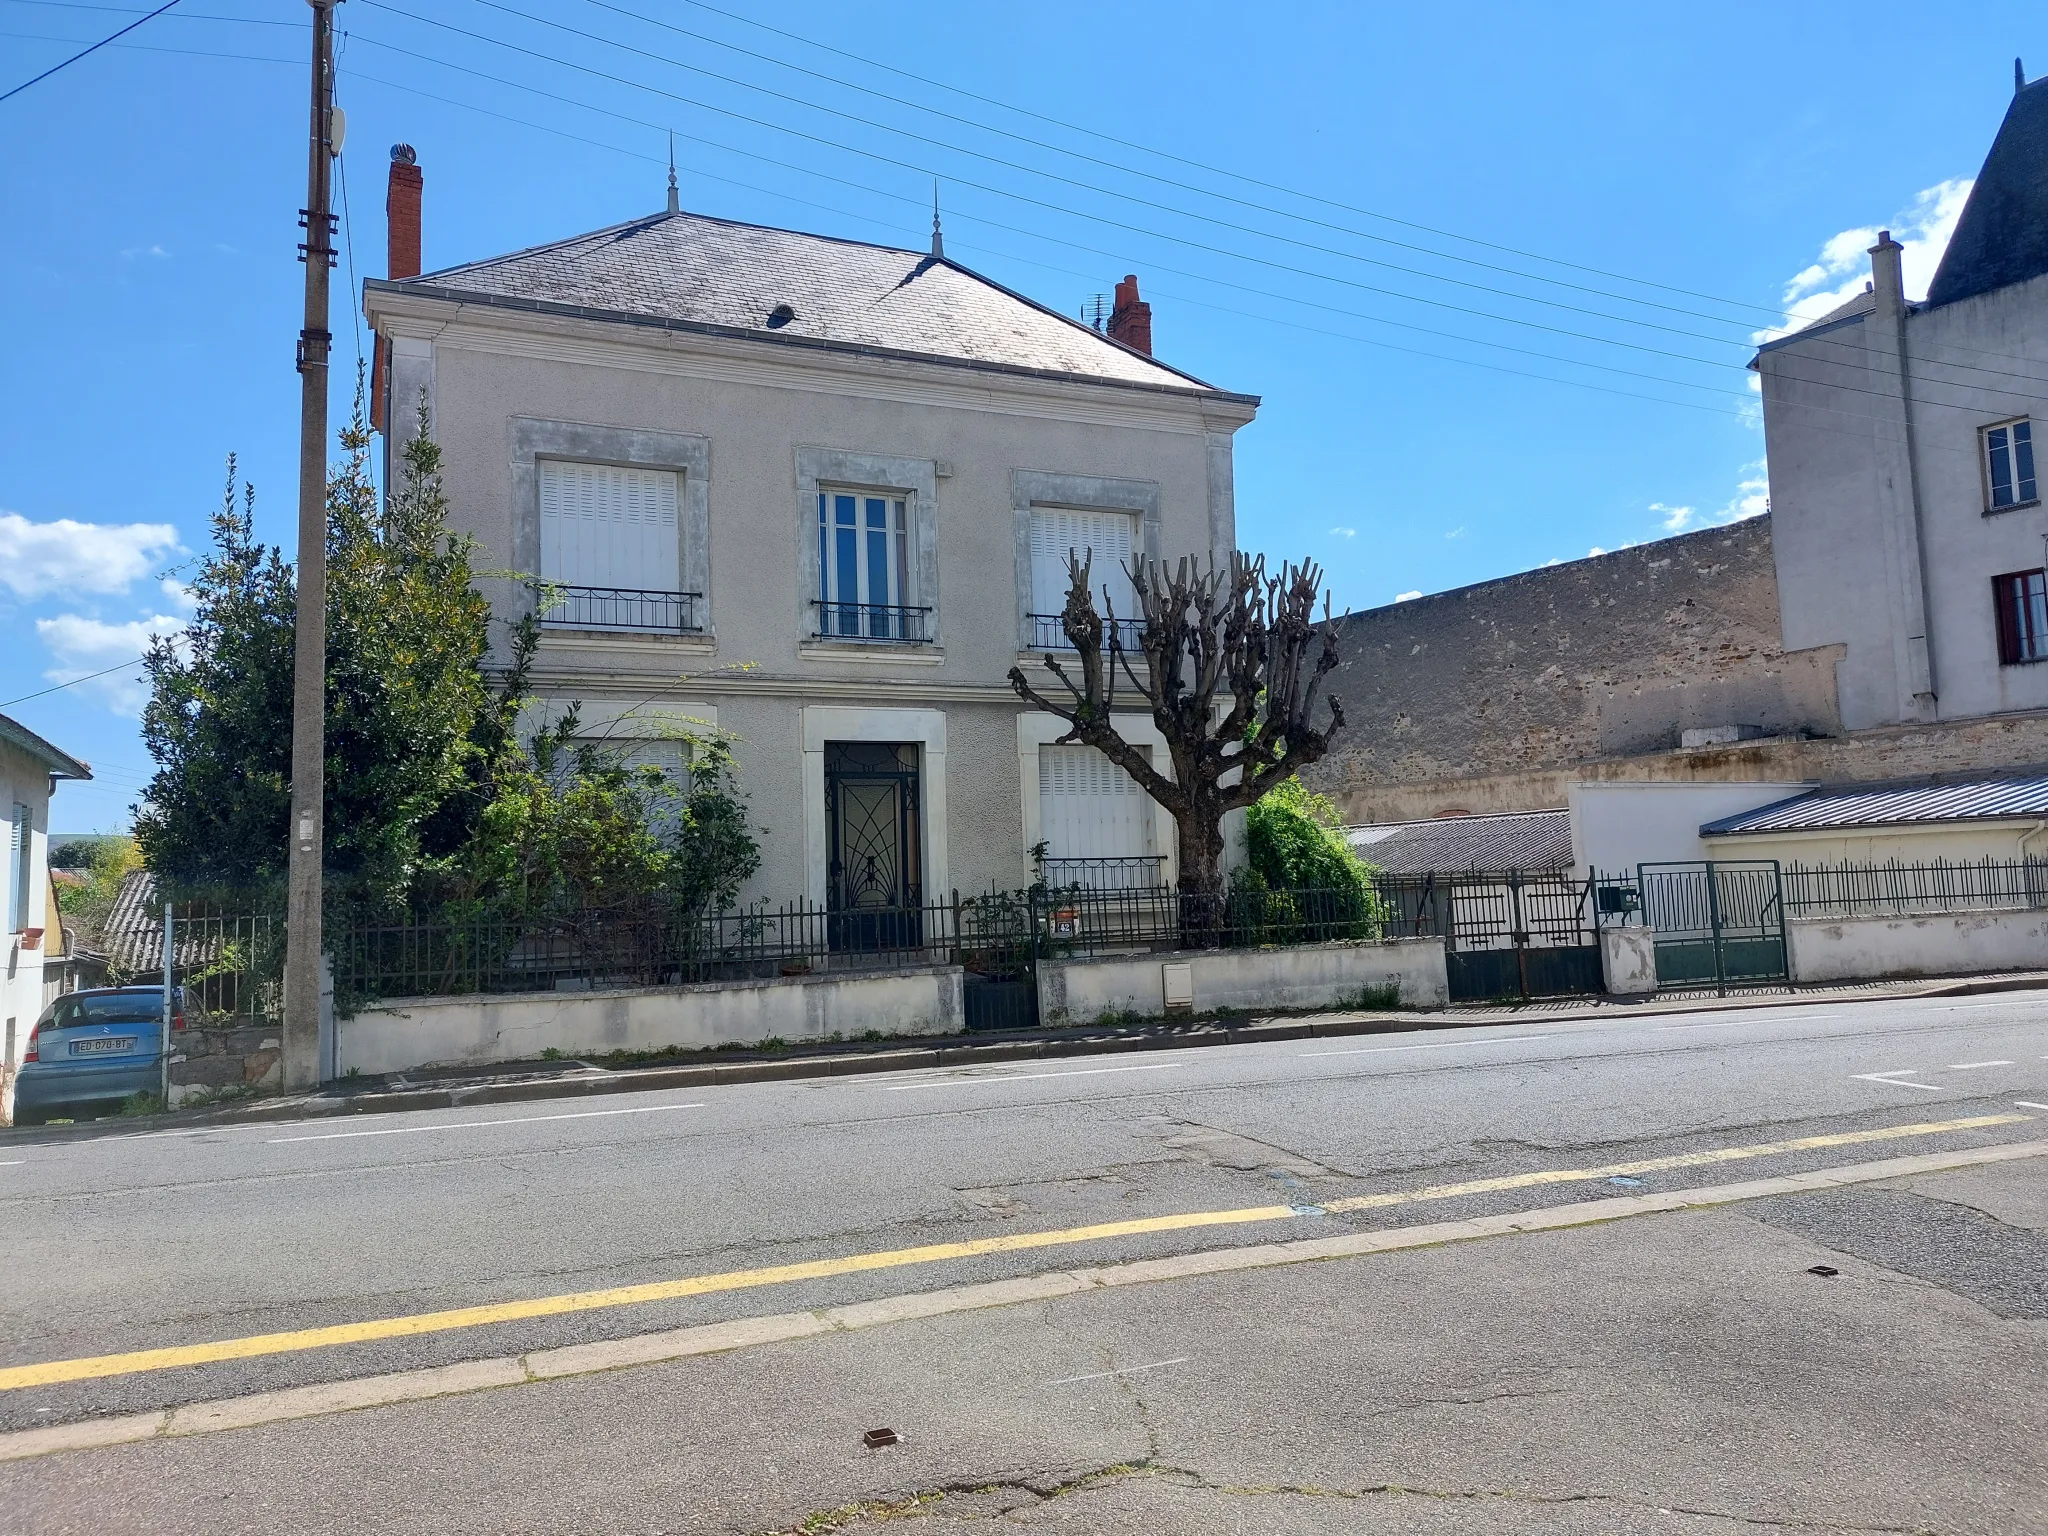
(602, 525)
(1109, 537)
(1088, 808)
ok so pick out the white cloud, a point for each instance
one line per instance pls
(83, 646)
(1752, 498)
(1406, 597)
(177, 594)
(1553, 560)
(1595, 550)
(156, 252)
(1923, 229)
(1457, 532)
(72, 557)
(1344, 533)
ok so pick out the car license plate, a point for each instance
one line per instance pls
(103, 1044)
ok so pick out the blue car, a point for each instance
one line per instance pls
(91, 1050)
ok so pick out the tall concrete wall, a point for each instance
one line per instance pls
(1608, 659)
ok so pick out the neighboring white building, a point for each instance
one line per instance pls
(1905, 485)
(816, 493)
(29, 769)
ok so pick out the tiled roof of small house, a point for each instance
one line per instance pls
(1520, 840)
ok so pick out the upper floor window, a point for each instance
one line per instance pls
(611, 547)
(2009, 464)
(864, 569)
(1108, 539)
(2021, 600)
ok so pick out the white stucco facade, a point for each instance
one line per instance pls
(755, 429)
(1885, 531)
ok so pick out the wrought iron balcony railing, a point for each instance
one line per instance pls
(1049, 634)
(872, 621)
(625, 608)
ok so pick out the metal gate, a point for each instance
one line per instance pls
(996, 940)
(1717, 924)
(1507, 933)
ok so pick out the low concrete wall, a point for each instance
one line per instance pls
(465, 1031)
(1305, 976)
(1943, 944)
(1628, 961)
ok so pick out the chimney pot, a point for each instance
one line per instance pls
(1131, 321)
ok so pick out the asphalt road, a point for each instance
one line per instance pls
(122, 1241)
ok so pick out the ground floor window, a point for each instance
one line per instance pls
(1096, 823)
(2021, 599)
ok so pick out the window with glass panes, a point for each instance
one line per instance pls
(2021, 601)
(2009, 463)
(863, 567)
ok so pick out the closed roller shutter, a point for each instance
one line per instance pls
(1109, 535)
(602, 525)
(1088, 808)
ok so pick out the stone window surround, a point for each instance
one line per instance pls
(689, 457)
(1038, 729)
(824, 723)
(917, 482)
(1984, 467)
(1033, 488)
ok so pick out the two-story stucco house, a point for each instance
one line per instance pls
(1908, 520)
(819, 494)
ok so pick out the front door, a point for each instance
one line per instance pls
(873, 860)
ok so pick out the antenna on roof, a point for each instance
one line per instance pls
(938, 240)
(675, 203)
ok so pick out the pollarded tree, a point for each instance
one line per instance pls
(1233, 660)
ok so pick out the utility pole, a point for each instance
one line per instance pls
(309, 663)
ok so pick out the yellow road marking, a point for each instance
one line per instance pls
(1664, 1164)
(51, 1372)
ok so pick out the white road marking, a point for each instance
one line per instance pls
(1971, 1066)
(16, 1163)
(1130, 1370)
(472, 1125)
(1433, 1045)
(2029, 1104)
(1896, 1079)
(1025, 1077)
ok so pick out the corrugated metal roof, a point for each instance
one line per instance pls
(1893, 805)
(694, 270)
(1522, 840)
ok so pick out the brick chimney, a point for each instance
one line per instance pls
(1131, 321)
(402, 234)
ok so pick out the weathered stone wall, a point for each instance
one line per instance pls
(219, 1063)
(1495, 697)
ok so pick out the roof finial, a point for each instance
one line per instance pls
(675, 204)
(938, 239)
(2019, 77)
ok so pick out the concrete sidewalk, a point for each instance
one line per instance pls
(526, 1081)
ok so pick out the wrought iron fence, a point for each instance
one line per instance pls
(653, 944)
(1897, 889)
(1132, 872)
(230, 962)
(629, 608)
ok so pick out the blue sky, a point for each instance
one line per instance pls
(1494, 268)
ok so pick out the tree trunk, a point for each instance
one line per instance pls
(1201, 872)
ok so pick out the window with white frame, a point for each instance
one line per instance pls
(610, 542)
(864, 590)
(2009, 465)
(1108, 540)
(1095, 822)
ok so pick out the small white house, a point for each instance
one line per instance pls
(29, 769)
(1963, 821)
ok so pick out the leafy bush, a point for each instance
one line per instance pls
(1300, 880)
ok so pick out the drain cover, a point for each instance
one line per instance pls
(875, 1439)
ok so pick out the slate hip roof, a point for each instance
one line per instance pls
(691, 272)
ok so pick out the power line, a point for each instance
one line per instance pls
(66, 64)
(923, 170)
(60, 687)
(1253, 181)
(1124, 169)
